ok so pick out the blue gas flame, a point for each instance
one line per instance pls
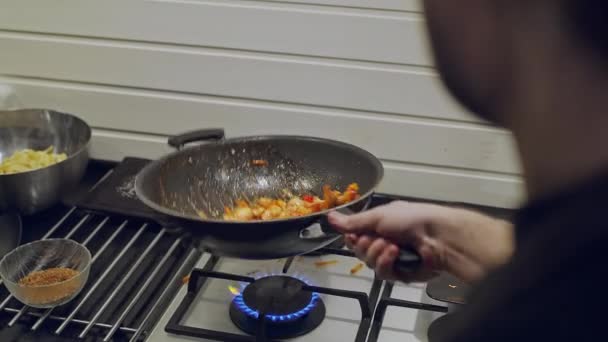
(240, 304)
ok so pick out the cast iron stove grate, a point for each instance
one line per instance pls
(306, 312)
(386, 301)
(137, 269)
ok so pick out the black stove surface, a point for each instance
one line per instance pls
(137, 270)
(117, 194)
(35, 227)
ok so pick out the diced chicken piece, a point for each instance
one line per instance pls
(258, 211)
(243, 214)
(265, 202)
(295, 203)
(241, 204)
(275, 210)
(266, 215)
(303, 211)
(267, 208)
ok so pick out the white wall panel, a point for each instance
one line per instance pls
(389, 137)
(394, 5)
(353, 70)
(365, 86)
(249, 25)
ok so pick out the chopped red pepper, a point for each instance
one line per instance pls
(308, 198)
(315, 207)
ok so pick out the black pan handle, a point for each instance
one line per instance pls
(178, 141)
(408, 260)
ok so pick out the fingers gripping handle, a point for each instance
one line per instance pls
(408, 260)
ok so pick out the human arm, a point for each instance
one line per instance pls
(464, 243)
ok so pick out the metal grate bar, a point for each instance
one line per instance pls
(105, 273)
(105, 176)
(99, 252)
(184, 306)
(95, 231)
(122, 282)
(78, 321)
(335, 251)
(287, 264)
(199, 276)
(152, 275)
(77, 226)
(186, 266)
(362, 297)
(58, 224)
(386, 301)
(26, 307)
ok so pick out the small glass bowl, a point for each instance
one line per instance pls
(42, 255)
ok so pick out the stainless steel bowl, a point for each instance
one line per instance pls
(33, 191)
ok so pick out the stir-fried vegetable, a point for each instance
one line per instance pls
(265, 208)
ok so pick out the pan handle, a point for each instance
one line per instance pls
(178, 141)
(408, 259)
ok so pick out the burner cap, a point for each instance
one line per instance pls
(282, 296)
(290, 311)
(438, 326)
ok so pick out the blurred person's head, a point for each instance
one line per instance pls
(537, 67)
(493, 52)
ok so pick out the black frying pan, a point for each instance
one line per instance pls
(206, 177)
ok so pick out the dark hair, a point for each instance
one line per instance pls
(589, 19)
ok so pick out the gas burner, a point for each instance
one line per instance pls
(289, 311)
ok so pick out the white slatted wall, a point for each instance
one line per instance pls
(352, 70)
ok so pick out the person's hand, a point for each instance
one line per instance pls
(464, 243)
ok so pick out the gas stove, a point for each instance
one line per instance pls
(328, 297)
(149, 283)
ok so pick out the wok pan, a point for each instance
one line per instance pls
(206, 177)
